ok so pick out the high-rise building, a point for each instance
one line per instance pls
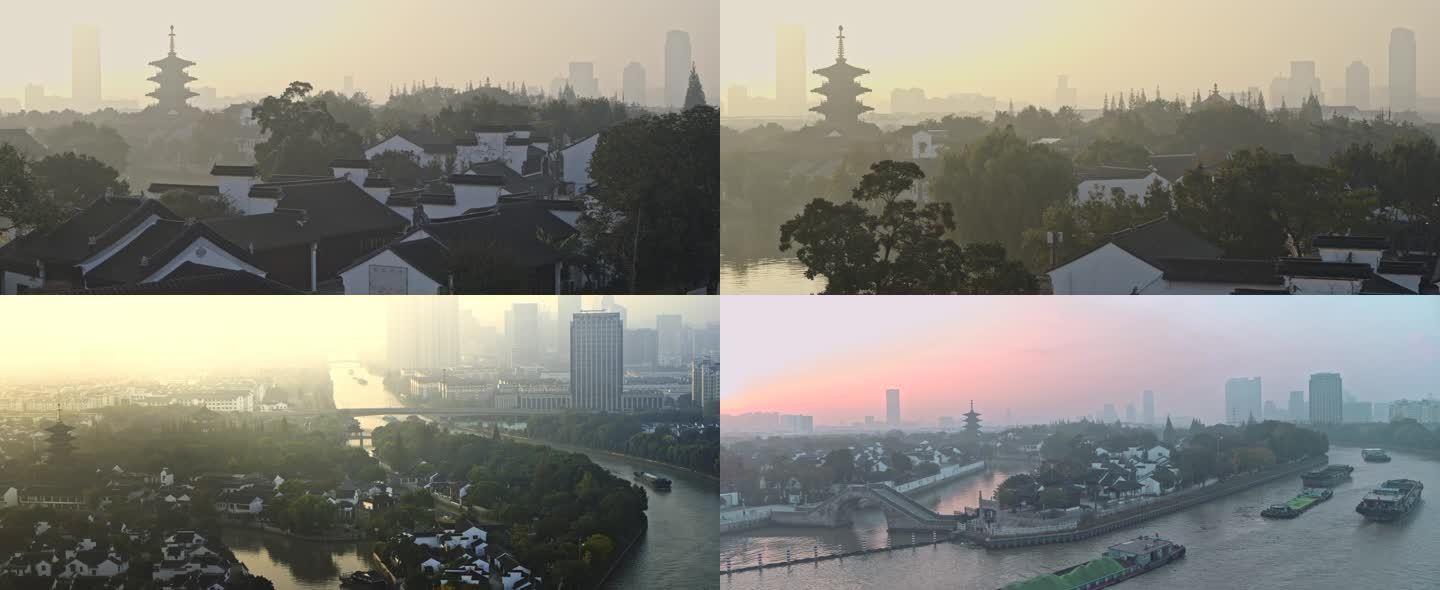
(1298, 412)
(35, 99)
(1242, 400)
(670, 332)
(1402, 70)
(790, 82)
(1108, 414)
(423, 333)
(1380, 412)
(1357, 85)
(607, 303)
(1065, 96)
(566, 307)
(1130, 413)
(1147, 402)
(1303, 83)
(1357, 411)
(85, 69)
(641, 348)
(892, 407)
(677, 67)
(797, 423)
(523, 334)
(597, 361)
(704, 381)
(633, 84)
(1326, 399)
(583, 80)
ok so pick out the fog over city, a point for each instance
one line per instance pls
(1016, 50)
(1064, 359)
(139, 336)
(259, 47)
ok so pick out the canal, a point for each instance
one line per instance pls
(1230, 545)
(772, 275)
(678, 550)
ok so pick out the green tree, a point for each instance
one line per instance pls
(97, 141)
(841, 462)
(74, 180)
(24, 203)
(597, 549)
(1001, 185)
(190, 204)
(1113, 152)
(694, 93)
(1087, 224)
(304, 136)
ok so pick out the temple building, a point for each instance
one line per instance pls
(60, 441)
(171, 95)
(972, 420)
(842, 107)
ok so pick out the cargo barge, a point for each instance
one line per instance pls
(1119, 563)
(1331, 475)
(1391, 501)
(1296, 506)
(659, 483)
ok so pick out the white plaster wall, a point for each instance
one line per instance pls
(10, 282)
(1139, 188)
(1306, 286)
(1163, 287)
(356, 175)
(922, 146)
(1106, 271)
(1411, 282)
(577, 162)
(237, 190)
(515, 156)
(469, 197)
(260, 206)
(357, 279)
(1370, 257)
(213, 256)
(394, 144)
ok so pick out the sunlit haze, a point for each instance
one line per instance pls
(1049, 359)
(73, 336)
(1016, 50)
(258, 47)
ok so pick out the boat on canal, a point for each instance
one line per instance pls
(1391, 501)
(1118, 563)
(659, 483)
(1375, 455)
(1330, 476)
(1296, 506)
(368, 579)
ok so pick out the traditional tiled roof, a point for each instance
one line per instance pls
(161, 188)
(309, 212)
(158, 245)
(1318, 269)
(1219, 270)
(98, 225)
(348, 163)
(226, 170)
(1352, 242)
(428, 140)
(1113, 173)
(1172, 167)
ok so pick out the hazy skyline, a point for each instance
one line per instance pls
(1047, 358)
(1017, 49)
(136, 334)
(261, 46)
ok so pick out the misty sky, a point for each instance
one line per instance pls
(1018, 47)
(1050, 358)
(259, 46)
(100, 334)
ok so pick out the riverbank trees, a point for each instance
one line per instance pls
(683, 438)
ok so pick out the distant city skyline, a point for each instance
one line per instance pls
(1016, 50)
(324, 46)
(1049, 360)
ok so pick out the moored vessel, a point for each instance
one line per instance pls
(370, 579)
(1375, 455)
(1120, 562)
(1393, 499)
(654, 481)
(1296, 506)
(1329, 476)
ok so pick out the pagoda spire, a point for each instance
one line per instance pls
(842, 107)
(172, 39)
(840, 54)
(171, 93)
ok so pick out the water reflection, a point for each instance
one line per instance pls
(293, 563)
(771, 275)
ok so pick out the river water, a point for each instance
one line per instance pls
(1230, 545)
(774, 275)
(678, 551)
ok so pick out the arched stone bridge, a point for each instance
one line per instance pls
(901, 512)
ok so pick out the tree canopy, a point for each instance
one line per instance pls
(304, 136)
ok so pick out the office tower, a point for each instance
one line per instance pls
(892, 407)
(35, 98)
(1147, 402)
(790, 87)
(1272, 411)
(1107, 414)
(1130, 413)
(423, 333)
(523, 334)
(1065, 96)
(1303, 83)
(641, 348)
(607, 303)
(1402, 70)
(633, 84)
(1357, 411)
(583, 81)
(85, 69)
(1357, 85)
(669, 331)
(1380, 412)
(1326, 399)
(597, 361)
(349, 87)
(1298, 412)
(704, 381)
(566, 307)
(677, 68)
(1242, 400)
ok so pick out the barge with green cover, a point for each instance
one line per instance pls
(1119, 563)
(1296, 506)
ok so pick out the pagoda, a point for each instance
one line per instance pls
(972, 420)
(842, 107)
(60, 441)
(172, 93)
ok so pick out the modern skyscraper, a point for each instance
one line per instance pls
(1147, 401)
(1130, 413)
(1357, 85)
(1242, 400)
(677, 67)
(1107, 414)
(892, 407)
(704, 381)
(633, 84)
(597, 361)
(523, 334)
(423, 333)
(1327, 400)
(583, 80)
(1297, 408)
(85, 69)
(641, 347)
(566, 307)
(607, 303)
(790, 86)
(1065, 96)
(670, 333)
(1402, 70)
(1303, 83)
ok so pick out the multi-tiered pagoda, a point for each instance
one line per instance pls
(972, 420)
(842, 107)
(172, 93)
(60, 442)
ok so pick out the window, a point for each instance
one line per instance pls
(388, 280)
